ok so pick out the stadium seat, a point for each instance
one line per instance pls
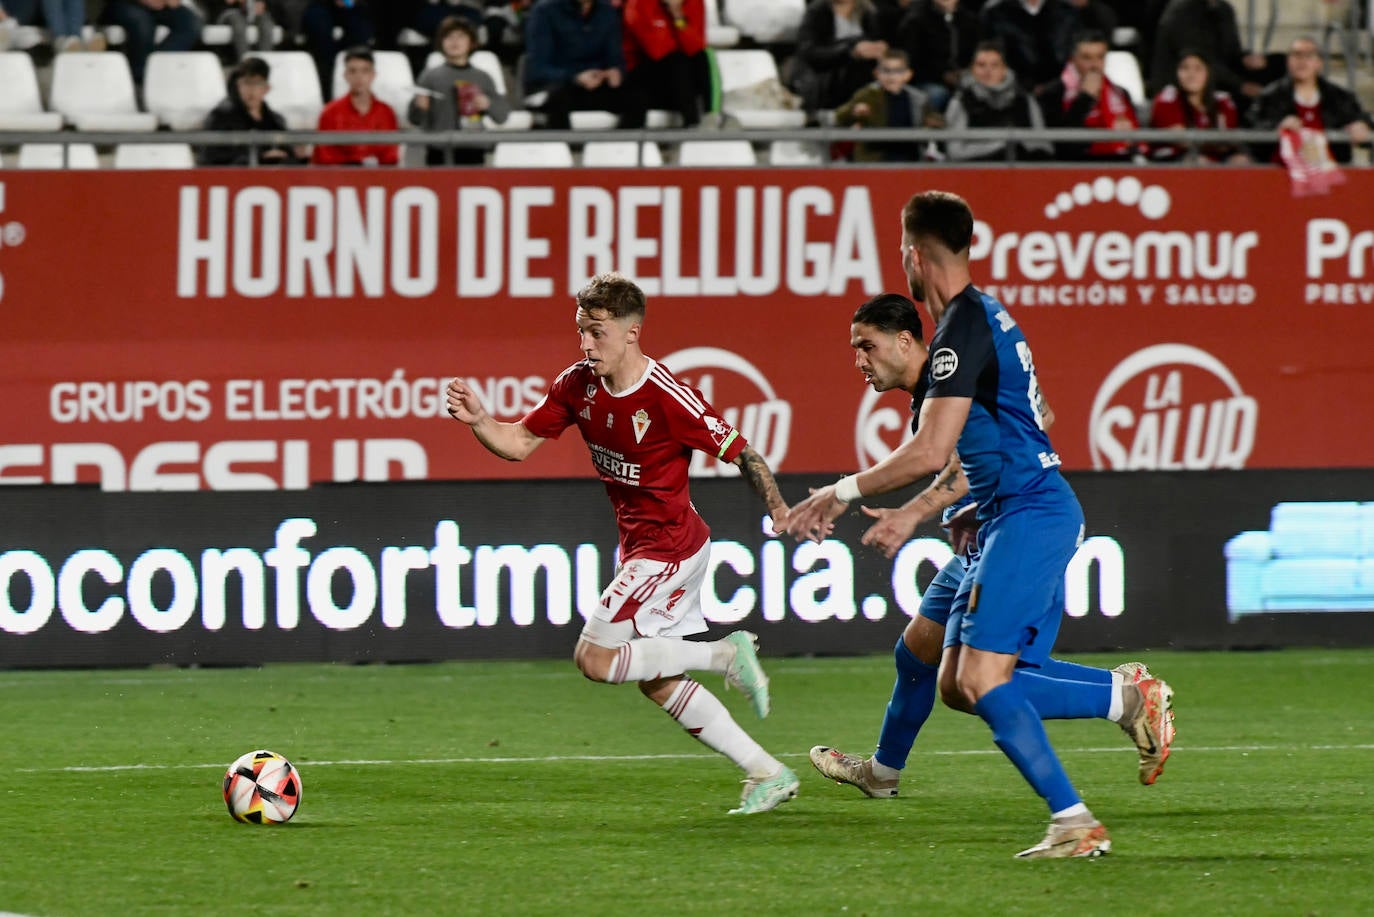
(532, 155)
(769, 118)
(716, 153)
(660, 118)
(593, 120)
(295, 92)
(739, 69)
(394, 83)
(718, 34)
(49, 156)
(1124, 71)
(621, 153)
(21, 107)
(95, 92)
(24, 37)
(154, 156)
(766, 21)
(794, 153)
(181, 87)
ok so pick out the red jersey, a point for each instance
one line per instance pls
(1310, 115)
(1169, 110)
(641, 442)
(340, 115)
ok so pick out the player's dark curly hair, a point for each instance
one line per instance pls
(939, 215)
(613, 293)
(890, 312)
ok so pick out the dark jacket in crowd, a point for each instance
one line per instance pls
(1206, 26)
(560, 43)
(232, 115)
(827, 72)
(1037, 46)
(1338, 106)
(935, 43)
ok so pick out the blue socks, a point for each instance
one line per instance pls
(1017, 730)
(913, 696)
(1072, 671)
(1055, 699)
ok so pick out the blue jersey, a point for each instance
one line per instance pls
(979, 352)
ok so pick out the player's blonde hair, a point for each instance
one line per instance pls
(613, 293)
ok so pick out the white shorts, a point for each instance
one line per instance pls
(650, 598)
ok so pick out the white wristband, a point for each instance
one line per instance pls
(847, 489)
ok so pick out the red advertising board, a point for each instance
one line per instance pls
(270, 329)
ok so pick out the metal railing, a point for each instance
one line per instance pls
(1190, 140)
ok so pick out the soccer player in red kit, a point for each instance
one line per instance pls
(641, 425)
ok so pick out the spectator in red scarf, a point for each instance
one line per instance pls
(1084, 97)
(665, 52)
(1193, 101)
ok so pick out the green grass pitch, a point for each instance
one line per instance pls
(520, 788)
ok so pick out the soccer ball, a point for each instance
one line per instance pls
(263, 788)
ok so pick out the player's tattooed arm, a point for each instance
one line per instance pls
(760, 477)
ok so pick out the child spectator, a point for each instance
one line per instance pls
(889, 102)
(360, 110)
(991, 97)
(1192, 101)
(245, 108)
(455, 95)
(665, 52)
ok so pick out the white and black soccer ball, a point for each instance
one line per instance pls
(262, 788)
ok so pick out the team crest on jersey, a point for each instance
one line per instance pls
(585, 413)
(591, 390)
(640, 419)
(943, 363)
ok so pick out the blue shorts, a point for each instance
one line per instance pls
(1011, 599)
(938, 598)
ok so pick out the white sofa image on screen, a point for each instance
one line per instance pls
(1314, 557)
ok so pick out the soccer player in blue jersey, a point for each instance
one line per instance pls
(890, 351)
(984, 399)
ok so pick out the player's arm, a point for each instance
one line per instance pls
(755, 470)
(511, 441)
(929, 451)
(895, 527)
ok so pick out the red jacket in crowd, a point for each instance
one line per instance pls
(1168, 110)
(652, 33)
(340, 115)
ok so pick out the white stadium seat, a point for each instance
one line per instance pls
(795, 153)
(181, 87)
(50, 156)
(96, 92)
(295, 92)
(154, 156)
(593, 120)
(535, 155)
(716, 153)
(766, 21)
(1124, 71)
(718, 34)
(21, 107)
(618, 153)
(738, 68)
(394, 83)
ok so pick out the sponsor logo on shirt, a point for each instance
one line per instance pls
(943, 364)
(613, 465)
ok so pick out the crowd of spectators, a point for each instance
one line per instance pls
(889, 64)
